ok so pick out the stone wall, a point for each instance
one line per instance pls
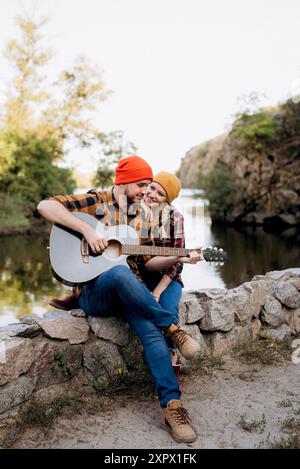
(64, 353)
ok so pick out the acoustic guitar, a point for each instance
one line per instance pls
(73, 262)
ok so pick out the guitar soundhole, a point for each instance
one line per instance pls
(114, 249)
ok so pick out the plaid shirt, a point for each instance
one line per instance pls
(168, 232)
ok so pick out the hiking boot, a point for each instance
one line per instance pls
(66, 304)
(175, 420)
(186, 345)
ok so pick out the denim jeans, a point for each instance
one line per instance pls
(119, 291)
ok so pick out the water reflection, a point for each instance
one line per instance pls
(252, 251)
(27, 285)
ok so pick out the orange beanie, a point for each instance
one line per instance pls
(132, 169)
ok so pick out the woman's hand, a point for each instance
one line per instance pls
(156, 295)
(193, 257)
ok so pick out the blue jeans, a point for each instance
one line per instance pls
(119, 291)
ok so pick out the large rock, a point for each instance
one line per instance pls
(260, 289)
(218, 309)
(18, 357)
(240, 297)
(272, 313)
(290, 273)
(19, 330)
(255, 327)
(63, 326)
(15, 393)
(292, 317)
(133, 353)
(101, 357)
(278, 333)
(295, 281)
(216, 343)
(110, 328)
(219, 343)
(200, 160)
(190, 310)
(287, 294)
(54, 362)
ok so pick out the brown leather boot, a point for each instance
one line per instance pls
(66, 304)
(187, 346)
(175, 420)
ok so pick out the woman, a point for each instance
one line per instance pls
(167, 231)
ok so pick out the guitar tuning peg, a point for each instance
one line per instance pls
(221, 263)
(221, 250)
(215, 249)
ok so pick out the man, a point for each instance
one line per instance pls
(122, 289)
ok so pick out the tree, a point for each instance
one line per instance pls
(113, 148)
(31, 174)
(39, 119)
(82, 89)
(27, 58)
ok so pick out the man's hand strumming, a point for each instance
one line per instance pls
(96, 241)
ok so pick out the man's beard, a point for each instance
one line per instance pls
(131, 199)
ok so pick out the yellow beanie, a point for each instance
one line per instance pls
(170, 183)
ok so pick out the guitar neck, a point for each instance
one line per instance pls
(132, 249)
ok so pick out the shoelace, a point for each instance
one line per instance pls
(180, 337)
(180, 415)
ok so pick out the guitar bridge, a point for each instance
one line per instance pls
(84, 249)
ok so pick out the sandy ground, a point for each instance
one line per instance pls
(236, 406)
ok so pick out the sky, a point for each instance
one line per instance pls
(177, 68)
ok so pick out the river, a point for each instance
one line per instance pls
(26, 283)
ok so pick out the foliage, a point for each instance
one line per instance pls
(265, 350)
(113, 148)
(221, 190)
(256, 130)
(29, 169)
(60, 363)
(27, 59)
(40, 119)
(12, 211)
(100, 384)
(82, 88)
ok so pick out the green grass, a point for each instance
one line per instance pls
(265, 351)
(39, 414)
(204, 363)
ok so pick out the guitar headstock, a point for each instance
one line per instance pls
(214, 254)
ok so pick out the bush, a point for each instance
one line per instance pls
(12, 211)
(256, 130)
(29, 169)
(221, 191)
